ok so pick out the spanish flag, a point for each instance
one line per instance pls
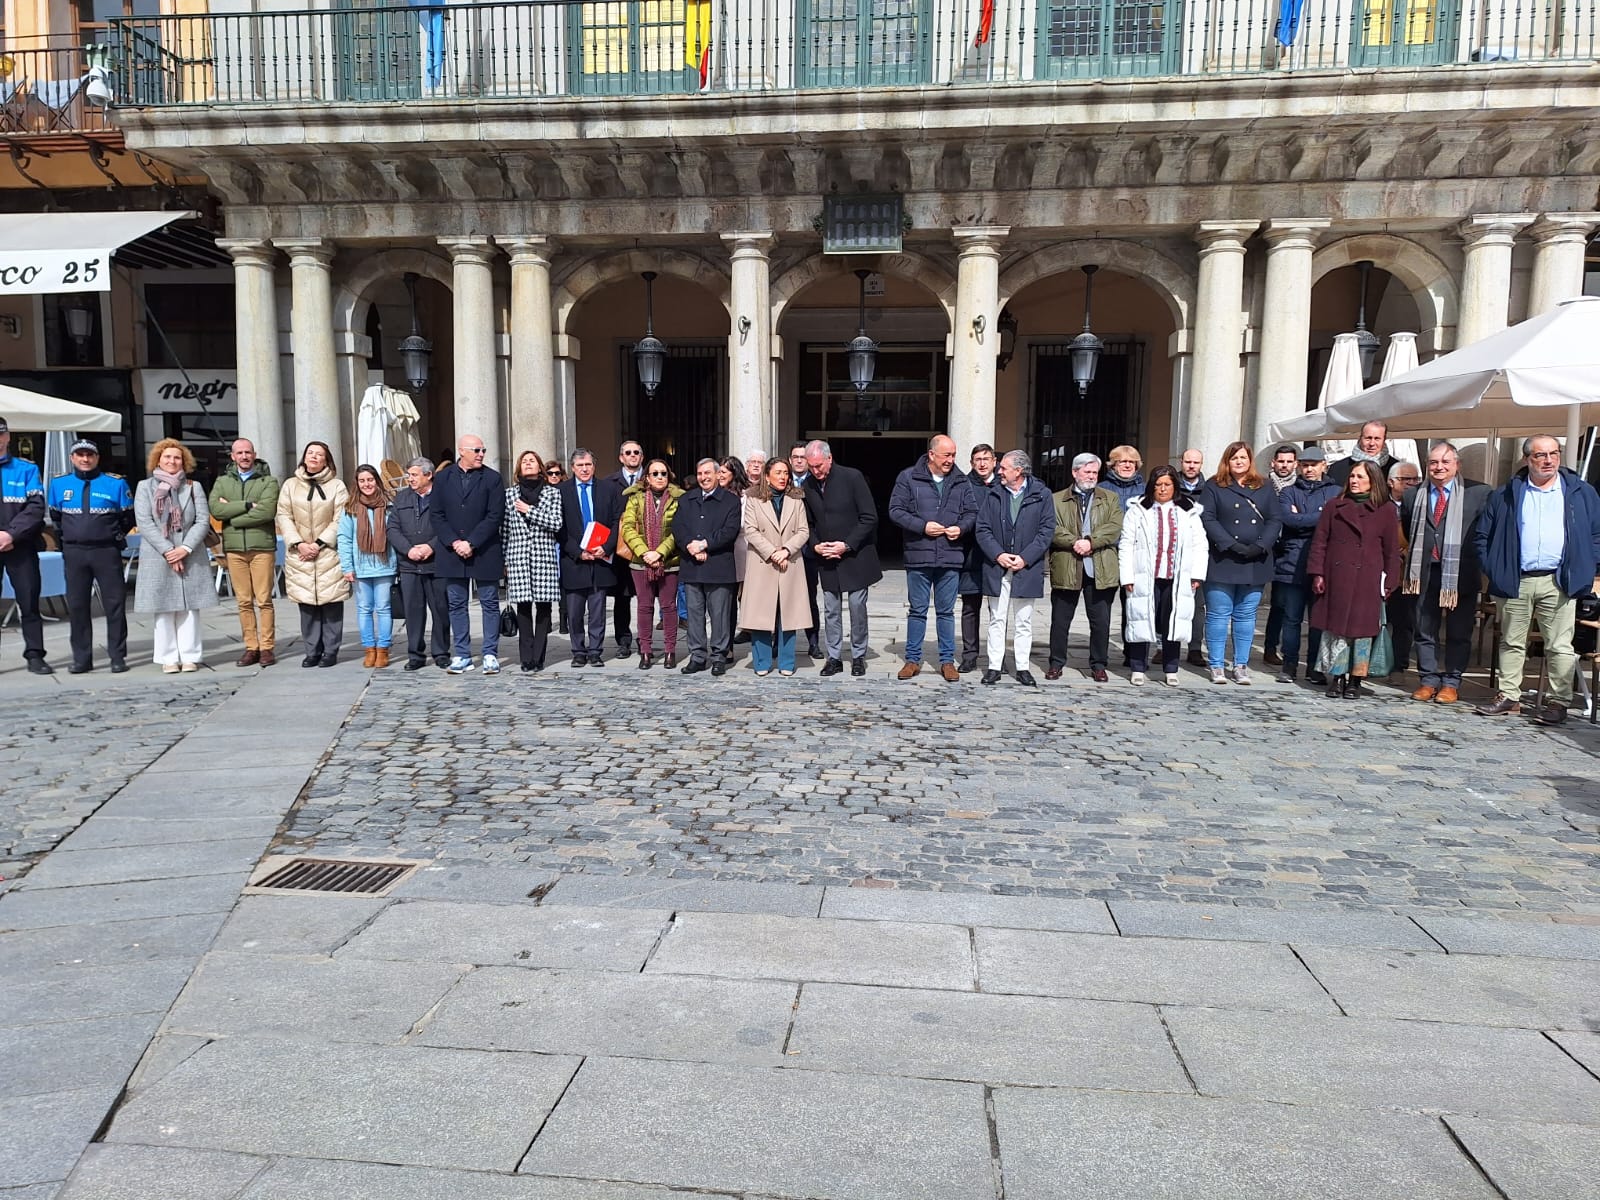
(697, 38)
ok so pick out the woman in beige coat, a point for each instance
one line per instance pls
(775, 603)
(309, 506)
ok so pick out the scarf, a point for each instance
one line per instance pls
(1279, 484)
(314, 482)
(169, 502)
(1447, 540)
(1357, 454)
(529, 488)
(1166, 540)
(655, 508)
(371, 535)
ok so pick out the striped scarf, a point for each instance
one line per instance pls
(1447, 540)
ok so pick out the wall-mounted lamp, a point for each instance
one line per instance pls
(11, 323)
(415, 350)
(744, 329)
(649, 352)
(977, 327)
(1085, 349)
(1007, 325)
(862, 351)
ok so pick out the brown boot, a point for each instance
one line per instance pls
(381, 657)
(370, 658)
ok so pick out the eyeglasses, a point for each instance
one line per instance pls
(474, 450)
(556, 471)
(658, 474)
(632, 453)
(1545, 454)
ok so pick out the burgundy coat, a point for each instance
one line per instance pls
(1354, 548)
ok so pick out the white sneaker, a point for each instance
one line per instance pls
(491, 665)
(1218, 675)
(1137, 679)
(1172, 679)
(458, 666)
(1241, 675)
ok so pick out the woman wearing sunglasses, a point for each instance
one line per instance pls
(649, 507)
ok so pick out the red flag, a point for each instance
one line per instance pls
(985, 23)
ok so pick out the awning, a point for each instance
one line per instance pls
(35, 411)
(41, 253)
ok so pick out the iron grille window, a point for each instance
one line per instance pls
(687, 420)
(1063, 424)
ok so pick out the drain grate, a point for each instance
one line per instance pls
(347, 878)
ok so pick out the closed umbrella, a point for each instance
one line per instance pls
(1400, 358)
(1342, 380)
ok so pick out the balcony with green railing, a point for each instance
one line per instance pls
(558, 48)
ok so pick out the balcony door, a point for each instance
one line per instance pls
(1394, 33)
(379, 51)
(632, 47)
(864, 43)
(1107, 39)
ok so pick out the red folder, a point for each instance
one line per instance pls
(595, 535)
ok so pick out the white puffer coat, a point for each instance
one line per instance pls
(304, 515)
(1136, 558)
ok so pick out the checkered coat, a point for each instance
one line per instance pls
(533, 562)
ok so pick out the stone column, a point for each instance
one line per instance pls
(477, 401)
(1216, 391)
(255, 309)
(535, 423)
(1486, 280)
(975, 338)
(568, 354)
(750, 345)
(1285, 323)
(316, 376)
(1559, 241)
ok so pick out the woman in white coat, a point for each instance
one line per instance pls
(1162, 562)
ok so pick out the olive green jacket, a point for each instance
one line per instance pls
(1105, 531)
(247, 508)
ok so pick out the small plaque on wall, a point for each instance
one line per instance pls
(862, 224)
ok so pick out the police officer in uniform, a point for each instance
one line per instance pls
(21, 523)
(93, 511)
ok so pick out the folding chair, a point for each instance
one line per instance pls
(13, 103)
(56, 97)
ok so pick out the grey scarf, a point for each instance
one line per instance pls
(1447, 540)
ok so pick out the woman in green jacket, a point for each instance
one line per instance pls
(648, 509)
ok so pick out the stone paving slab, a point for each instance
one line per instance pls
(416, 1105)
(1149, 970)
(1585, 1047)
(788, 1133)
(41, 1136)
(1539, 939)
(987, 1039)
(295, 924)
(497, 934)
(211, 754)
(687, 895)
(296, 1179)
(119, 901)
(267, 796)
(67, 1055)
(473, 881)
(1358, 1063)
(107, 832)
(337, 1000)
(176, 859)
(609, 1013)
(1063, 1145)
(165, 1051)
(1528, 993)
(968, 908)
(1534, 1162)
(149, 1173)
(1217, 922)
(107, 943)
(37, 1191)
(756, 946)
(76, 993)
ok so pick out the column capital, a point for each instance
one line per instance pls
(250, 252)
(470, 250)
(527, 248)
(1292, 232)
(748, 243)
(1492, 229)
(1554, 228)
(309, 252)
(980, 239)
(1224, 235)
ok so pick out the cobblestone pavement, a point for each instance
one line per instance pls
(1269, 796)
(79, 746)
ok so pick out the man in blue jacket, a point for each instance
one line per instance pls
(1300, 507)
(93, 512)
(1016, 523)
(21, 524)
(936, 506)
(1538, 540)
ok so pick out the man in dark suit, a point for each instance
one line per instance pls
(1442, 572)
(587, 576)
(705, 525)
(631, 455)
(466, 509)
(410, 529)
(844, 536)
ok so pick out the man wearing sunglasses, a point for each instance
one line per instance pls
(466, 509)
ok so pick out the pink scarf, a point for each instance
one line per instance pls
(169, 502)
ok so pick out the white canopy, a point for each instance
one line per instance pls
(41, 253)
(1541, 376)
(37, 413)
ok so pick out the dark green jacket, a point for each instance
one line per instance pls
(246, 508)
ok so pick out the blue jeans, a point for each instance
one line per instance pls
(461, 617)
(373, 617)
(1231, 606)
(761, 641)
(1295, 597)
(943, 583)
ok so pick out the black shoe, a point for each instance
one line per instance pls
(1026, 679)
(596, 660)
(563, 630)
(720, 668)
(858, 666)
(1272, 658)
(329, 660)
(119, 666)
(80, 668)
(967, 668)
(814, 648)
(1334, 686)
(579, 660)
(1553, 714)
(1316, 678)
(671, 662)
(645, 662)
(694, 668)
(528, 668)
(990, 677)
(832, 667)
(624, 647)
(1285, 676)
(311, 660)
(1196, 659)
(742, 638)
(416, 664)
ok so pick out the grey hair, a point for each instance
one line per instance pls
(1450, 446)
(1396, 468)
(702, 462)
(1019, 460)
(819, 447)
(580, 452)
(425, 465)
(1527, 442)
(1084, 459)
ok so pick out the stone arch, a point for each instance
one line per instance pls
(1171, 282)
(1433, 288)
(905, 265)
(351, 298)
(592, 274)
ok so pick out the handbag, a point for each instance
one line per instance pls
(1380, 664)
(625, 554)
(509, 625)
(213, 527)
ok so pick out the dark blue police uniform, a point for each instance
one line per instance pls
(93, 512)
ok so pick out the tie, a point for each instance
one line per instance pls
(1438, 519)
(583, 503)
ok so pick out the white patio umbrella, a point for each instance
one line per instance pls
(1341, 381)
(35, 412)
(1397, 360)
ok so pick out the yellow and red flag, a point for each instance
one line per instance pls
(697, 38)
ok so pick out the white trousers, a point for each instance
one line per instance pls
(1020, 613)
(178, 637)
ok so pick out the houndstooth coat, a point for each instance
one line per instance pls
(533, 562)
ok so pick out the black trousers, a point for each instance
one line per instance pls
(322, 628)
(85, 566)
(971, 607)
(533, 636)
(1138, 652)
(1401, 611)
(586, 621)
(622, 610)
(1444, 638)
(1063, 604)
(422, 596)
(23, 568)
